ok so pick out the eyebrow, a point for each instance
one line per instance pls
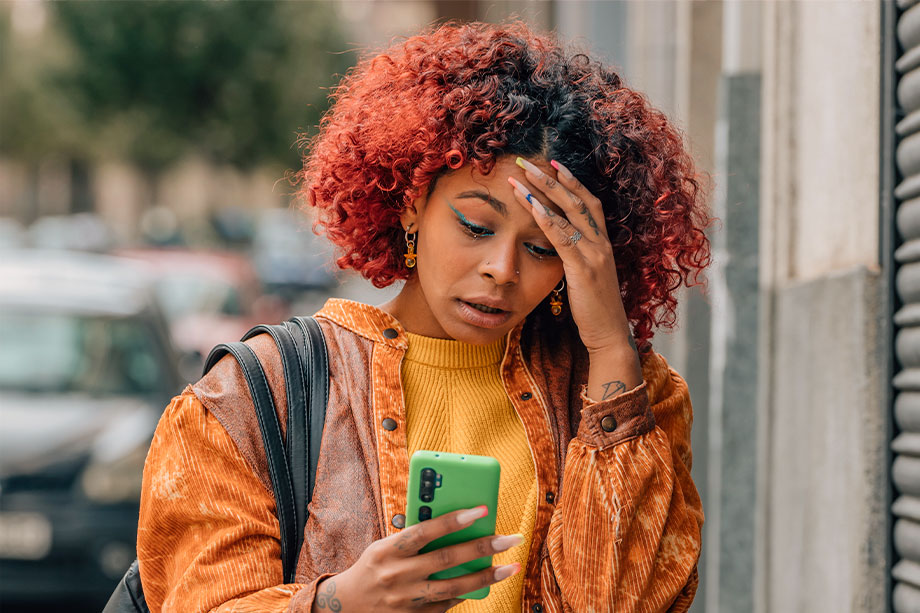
(498, 205)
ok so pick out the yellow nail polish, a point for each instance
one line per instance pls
(529, 167)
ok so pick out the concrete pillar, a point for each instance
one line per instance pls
(823, 426)
(731, 504)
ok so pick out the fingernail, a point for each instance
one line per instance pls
(503, 572)
(524, 192)
(528, 166)
(518, 186)
(561, 169)
(501, 543)
(470, 515)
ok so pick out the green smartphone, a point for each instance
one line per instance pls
(442, 482)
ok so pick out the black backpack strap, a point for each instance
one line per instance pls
(295, 445)
(285, 506)
(317, 375)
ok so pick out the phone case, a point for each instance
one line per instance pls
(461, 482)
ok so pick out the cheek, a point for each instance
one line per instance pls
(442, 262)
(541, 281)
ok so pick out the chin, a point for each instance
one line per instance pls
(473, 337)
(465, 332)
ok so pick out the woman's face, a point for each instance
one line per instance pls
(483, 263)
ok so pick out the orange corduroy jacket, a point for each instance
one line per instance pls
(619, 518)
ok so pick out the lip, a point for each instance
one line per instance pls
(489, 302)
(478, 318)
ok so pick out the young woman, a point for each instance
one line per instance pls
(542, 215)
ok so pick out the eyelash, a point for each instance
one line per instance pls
(477, 232)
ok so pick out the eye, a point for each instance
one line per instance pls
(541, 252)
(474, 230)
(469, 227)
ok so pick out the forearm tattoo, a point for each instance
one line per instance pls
(612, 388)
(326, 599)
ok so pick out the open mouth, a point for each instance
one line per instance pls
(484, 309)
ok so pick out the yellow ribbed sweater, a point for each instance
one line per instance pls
(455, 402)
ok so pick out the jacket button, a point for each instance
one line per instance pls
(537, 608)
(550, 497)
(609, 424)
(399, 520)
(526, 396)
(389, 424)
(390, 333)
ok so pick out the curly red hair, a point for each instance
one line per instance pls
(471, 93)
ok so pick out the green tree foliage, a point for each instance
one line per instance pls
(150, 81)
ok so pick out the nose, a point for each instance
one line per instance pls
(500, 264)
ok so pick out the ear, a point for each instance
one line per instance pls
(409, 218)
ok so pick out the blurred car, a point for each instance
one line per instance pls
(209, 297)
(288, 256)
(86, 367)
(12, 234)
(81, 231)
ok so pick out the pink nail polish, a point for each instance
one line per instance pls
(518, 186)
(561, 169)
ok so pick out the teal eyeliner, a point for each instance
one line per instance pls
(486, 232)
(467, 222)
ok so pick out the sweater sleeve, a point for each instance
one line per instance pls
(208, 538)
(626, 534)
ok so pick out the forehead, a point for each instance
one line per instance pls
(471, 175)
(468, 185)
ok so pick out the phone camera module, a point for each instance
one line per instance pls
(424, 513)
(426, 488)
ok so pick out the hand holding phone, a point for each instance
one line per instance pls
(392, 574)
(441, 482)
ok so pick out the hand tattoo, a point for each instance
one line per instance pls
(612, 388)
(430, 595)
(583, 209)
(327, 597)
(405, 542)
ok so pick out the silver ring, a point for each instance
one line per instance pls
(575, 238)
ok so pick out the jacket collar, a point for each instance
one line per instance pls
(379, 326)
(375, 324)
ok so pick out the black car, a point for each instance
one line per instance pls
(86, 368)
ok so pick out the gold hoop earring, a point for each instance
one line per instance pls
(410, 255)
(555, 303)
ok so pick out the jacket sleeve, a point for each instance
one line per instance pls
(626, 534)
(208, 538)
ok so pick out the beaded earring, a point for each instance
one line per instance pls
(555, 303)
(410, 254)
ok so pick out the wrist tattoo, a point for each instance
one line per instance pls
(612, 388)
(327, 598)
